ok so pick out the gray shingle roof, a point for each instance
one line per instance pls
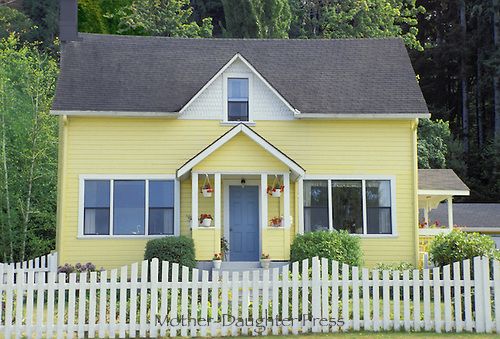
(158, 74)
(440, 179)
(469, 214)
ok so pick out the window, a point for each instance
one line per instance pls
(315, 205)
(237, 99)
(128, 207)
(96, 207)
(357, 206)
(161, 207)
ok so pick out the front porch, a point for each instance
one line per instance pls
(231, 183)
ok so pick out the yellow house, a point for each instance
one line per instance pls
(289, 136)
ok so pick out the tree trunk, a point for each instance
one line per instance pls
(463, 78)
(496, 74)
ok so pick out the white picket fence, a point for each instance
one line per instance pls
(324, 297)
(40, 266)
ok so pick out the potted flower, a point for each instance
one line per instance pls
(207, 190)
(275, 190)
(276, 222)
(217, 260)
(265, 260)
(206, 220)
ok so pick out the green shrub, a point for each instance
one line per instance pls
(445, 249)
(397, 266)
(172, 249)
(340, 246)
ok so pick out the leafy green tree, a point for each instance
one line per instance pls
(45, 15)
(373, 19)
(13, 21)
(91, 17)
(162, 18)
(433, 139)
(28, 150)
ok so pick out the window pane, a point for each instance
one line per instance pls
(315, 219)
(378, 220)
(161, 221)
(237, 89)
(96, 193)
(96, 221)
(161, 193)
(378, 193)
(316, 193)
(128, 209)
(347, 205)
(237, 111)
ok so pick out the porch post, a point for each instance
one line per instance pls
(299, 205)
(194, 200)
(426, 213)
(286, 200)
(263, 200)
(217, 199)
(449, 202)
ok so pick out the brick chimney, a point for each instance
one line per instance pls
(68, 20)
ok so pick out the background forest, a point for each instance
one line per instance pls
(453, 44)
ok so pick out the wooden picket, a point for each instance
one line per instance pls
(153, 299)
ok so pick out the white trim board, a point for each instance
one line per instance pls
(361, 116)
(443, 192)
(241, 128)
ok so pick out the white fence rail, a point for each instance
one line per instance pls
(158, 299)
(40, 266)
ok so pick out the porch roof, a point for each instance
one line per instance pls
(440, 182)
(241, 128)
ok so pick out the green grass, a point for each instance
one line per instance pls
(390, 335)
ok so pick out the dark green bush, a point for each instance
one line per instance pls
(445, 249)
(172, 249)
(340, 246)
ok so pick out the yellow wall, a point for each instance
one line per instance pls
(160, 146)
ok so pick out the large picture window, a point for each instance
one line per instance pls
(357, 206)
(128, 207)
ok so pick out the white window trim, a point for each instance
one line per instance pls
(111, 178)
(363, 179)
(245, 75)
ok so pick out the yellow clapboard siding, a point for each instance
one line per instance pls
(94, 145)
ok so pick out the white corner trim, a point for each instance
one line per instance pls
(241, 128)
(238, 56)
(360, 116)
(443, 192)
(124, 114)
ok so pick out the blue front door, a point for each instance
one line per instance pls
(244, 223)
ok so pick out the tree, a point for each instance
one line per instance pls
(373, 19)
(241, 19)
(433, 139)
(161, 18)
(28, 149)
(45, 15)
(91, 17)
(13, 21)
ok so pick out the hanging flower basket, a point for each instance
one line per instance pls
(207, 188)
(276, 189)
(206, 220)
(276, 222)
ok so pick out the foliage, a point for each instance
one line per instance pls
(45, 15)
(13, 21)
(340, 246)
(397, 266)
(28, 150)
(433, 139)
(224, 246)
(446, 249)
(78, 268)
(172, 249)
(257, 18)
(90, 17)
(162, 18)
(373, 19)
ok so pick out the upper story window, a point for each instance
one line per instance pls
(357, 206)
(237, 99)
(128, 207)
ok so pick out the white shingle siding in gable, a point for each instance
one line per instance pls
(210, 103)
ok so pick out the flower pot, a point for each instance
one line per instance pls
(217, 264)
(264, 263)
(207, 193)
(277, 225)
(206, 222)
(276, 193)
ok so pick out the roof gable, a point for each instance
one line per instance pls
(159, 74)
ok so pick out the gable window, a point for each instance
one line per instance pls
(128, 207)
(357, 206)
(237, 99)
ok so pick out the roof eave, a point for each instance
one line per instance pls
(126, 114)
(361, 116)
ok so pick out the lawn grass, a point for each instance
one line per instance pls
(389, 335)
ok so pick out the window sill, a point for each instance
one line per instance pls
(111, 237)
(233, 123)
(374, 236)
